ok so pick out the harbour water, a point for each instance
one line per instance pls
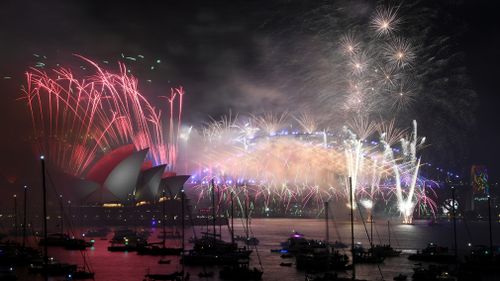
(130, 266)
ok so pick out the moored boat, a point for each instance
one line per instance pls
(433, 253)
(176, 276)
(250, 241)
(432, 272)
(384, 251)
(328, 276)
(240, 271)
(80, 274)
(99, 232)
(54, 268)
(320, 259)
(206, 274)
(65, 241)
(156, 250)
(126, 241)
(365, 256)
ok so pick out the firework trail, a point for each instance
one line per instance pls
(74, 119)
(352, 66)
(406, 173)
(297, 167)
(386, 60)
(307, 122)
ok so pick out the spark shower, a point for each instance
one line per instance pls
(277, 158)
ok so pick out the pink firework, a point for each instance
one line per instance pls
(76, 119)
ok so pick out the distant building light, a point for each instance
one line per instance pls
(141, 203)
(112, 205)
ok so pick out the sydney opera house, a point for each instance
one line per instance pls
(123, 187)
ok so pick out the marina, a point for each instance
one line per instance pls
(410, 238)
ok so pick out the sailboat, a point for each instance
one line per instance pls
(384, 250)
(433, 253)
(176, 182)
(15, 230)
(175, 276)
(99, 232)
(210, 249)
(484, 258)
(250, 241)
(61, 239)
(51, 268)
(241, 269)
(127, 240)
(48, 266)
(317, 255)
(328, 276)
(360, 254)
(366, 256)
(85, 272)
(247, 239)
(13, 253)
(159, 248)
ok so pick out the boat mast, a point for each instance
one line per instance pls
(24, 215)
(352, 228)
(327, 237)
(219, 209)
(44, 194)
(232, 218)
(182, 221)
(163, 220)
(489, 223)
(246, 217)
(454, 222)
(15, 215)
(213, 209)
(389, 230)
(371, 230)
(62, 213)
(70, 215)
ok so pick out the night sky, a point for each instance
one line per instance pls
(481, 46)
(215, 49)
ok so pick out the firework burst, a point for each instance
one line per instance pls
(309, 167)
(74, 119)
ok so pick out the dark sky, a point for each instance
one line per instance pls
(481, 46)
(201, 46)
(483, 60)
(209, 47)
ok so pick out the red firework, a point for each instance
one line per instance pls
(76, 119)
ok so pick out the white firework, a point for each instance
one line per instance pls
(307, 122)
(399, 52)
(402, 94)
(350, 43)
(385, 20)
